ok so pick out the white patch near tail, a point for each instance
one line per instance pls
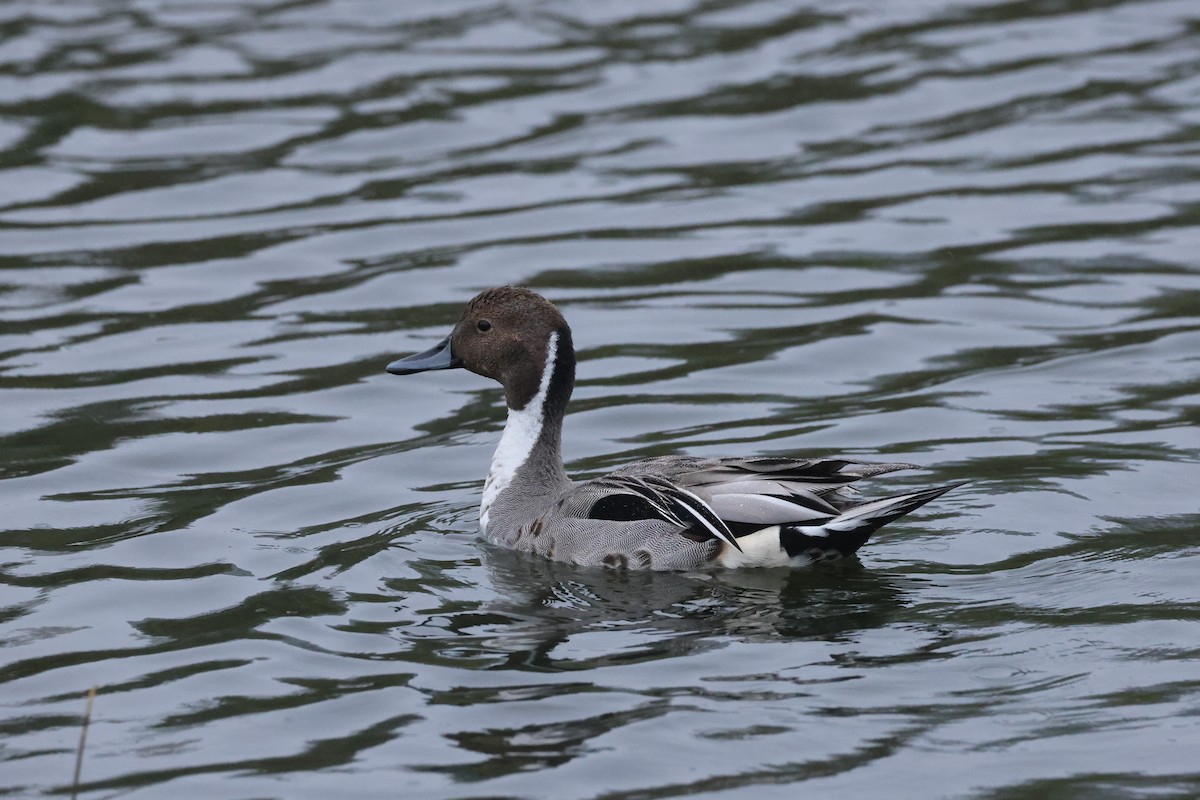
(837, 537)
(521, 433)
(759, 549)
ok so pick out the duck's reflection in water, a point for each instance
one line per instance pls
(564, 617)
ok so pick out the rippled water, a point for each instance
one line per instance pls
(961, 234)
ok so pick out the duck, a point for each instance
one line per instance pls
(672, 512)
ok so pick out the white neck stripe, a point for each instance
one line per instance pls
(521, 432)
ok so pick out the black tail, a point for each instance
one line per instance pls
(842, 535)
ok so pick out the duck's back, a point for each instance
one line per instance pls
(680, 512)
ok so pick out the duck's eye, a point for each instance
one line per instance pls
(483, 325)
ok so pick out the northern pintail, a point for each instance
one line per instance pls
(667, 513)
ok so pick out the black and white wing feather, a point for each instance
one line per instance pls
(750, 493)
(637, 497)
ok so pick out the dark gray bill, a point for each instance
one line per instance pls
(436, 357)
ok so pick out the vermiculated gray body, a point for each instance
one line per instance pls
(551, 519)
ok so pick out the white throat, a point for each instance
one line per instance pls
(521, 433)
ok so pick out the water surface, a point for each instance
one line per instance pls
(959, 234)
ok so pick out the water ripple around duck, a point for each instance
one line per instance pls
(959, 235)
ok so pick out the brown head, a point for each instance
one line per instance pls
(503, 334)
